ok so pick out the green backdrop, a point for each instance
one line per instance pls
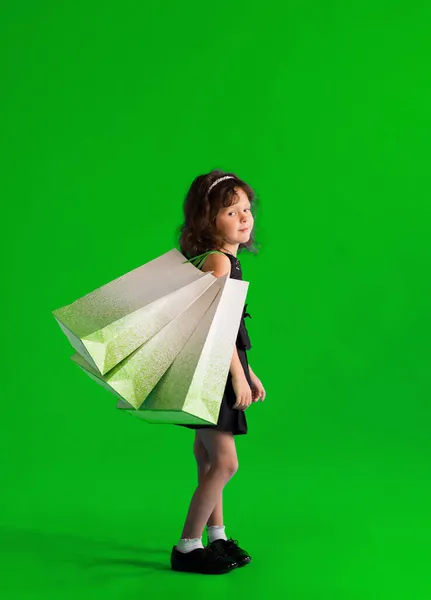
(109, 110)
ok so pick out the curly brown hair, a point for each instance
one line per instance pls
(198, 232)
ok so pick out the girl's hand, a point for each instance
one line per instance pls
(242, 392)
(258, 391)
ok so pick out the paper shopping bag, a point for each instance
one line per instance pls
(108, 324)
(191, 390)
(134, 377)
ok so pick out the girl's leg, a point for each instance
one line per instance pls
(220, 446)
(203, 463)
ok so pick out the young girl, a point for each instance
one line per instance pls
(218, 216)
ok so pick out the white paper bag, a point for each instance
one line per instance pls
(108, 324)
(134, 377)
(192, 388)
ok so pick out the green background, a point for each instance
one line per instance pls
(109, 110)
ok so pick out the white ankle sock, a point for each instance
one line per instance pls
(188, 544)
(216, 532)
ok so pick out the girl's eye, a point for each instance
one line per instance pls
(231, 213)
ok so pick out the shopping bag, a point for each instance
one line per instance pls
(134, 377)
(191, 390)
(107, 325)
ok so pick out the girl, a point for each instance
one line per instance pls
(218, 217)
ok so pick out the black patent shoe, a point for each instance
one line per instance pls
(210, 561)
(231, 549)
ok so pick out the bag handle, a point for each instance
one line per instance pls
(202, 257)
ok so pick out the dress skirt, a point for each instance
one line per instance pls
(229, 419)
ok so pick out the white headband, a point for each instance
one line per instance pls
(218, 181)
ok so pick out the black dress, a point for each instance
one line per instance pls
(233, 419)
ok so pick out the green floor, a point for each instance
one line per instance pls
(327, 506)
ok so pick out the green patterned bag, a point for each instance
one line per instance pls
(179, 375)
(107, 325)
(191, 390)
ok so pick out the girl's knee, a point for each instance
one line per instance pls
(220, 451)
(227, 467)
(231, 472)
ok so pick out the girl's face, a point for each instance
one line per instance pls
(236, 222)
